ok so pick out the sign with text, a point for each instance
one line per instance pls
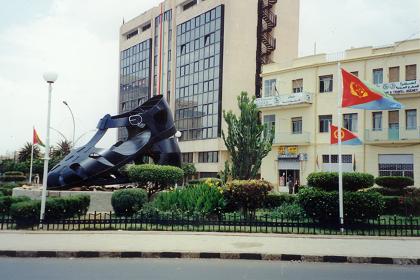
(405, 87)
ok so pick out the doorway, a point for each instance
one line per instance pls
(393, 125)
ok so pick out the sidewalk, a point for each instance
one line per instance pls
(211, 245)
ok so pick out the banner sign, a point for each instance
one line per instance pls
(405, 87)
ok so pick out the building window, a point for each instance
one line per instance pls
(396, 165)
(377, 121)
(146, 27)
(297, 125)
(334, 158)
(270, 87)
(411, 119)
(394, 74)
(189, 5)
(326, 83)
(410, 72)
(132, 34)
(208, 174)
(378, 76)
(187, 157)
(208, 157)
(324, 123)
(270, 121)
(355, 73)
(330, 163)
(350, 122)
(297, 85)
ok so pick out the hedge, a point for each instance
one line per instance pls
(26, 213)
(7, 188)
(394, 182)
(323, 205)
(154, 178)
(7, 201)
(274, 200)
(13, 176)
(352, 181)
(127, 202)
(246, 195)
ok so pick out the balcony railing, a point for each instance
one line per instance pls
(284, 100)
(401, 88)
(290, 138)
(392, 135)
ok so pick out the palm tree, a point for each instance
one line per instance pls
(25, 152)
(62, 149)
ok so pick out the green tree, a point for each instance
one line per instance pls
(62, 149)
(25, 152)
(189, 170)
(248, 141)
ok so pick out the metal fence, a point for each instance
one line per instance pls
(384, 226)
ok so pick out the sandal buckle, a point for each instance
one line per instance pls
(136, 120)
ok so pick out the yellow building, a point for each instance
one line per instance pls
(200, 54)
(300, 99)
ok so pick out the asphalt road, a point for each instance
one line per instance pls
(152, 269)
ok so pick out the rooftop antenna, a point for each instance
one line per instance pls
(314, 48)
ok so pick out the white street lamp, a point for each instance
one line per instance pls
(177, 135)
(50, 78)
(74, 124)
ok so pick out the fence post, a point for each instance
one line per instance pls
(266, 223)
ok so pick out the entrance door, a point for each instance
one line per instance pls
(393, 125)
(285, 174)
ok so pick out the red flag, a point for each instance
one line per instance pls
(36, 139)
(347, 137)
(362, 95)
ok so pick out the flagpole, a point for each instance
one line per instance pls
(340, 163)
(329, 149)
(32, 157)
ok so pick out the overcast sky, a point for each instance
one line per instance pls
(79, 40)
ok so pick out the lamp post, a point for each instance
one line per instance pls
(50, 78)
(74, 124)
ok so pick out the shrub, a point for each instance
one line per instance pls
(202, 180)
(129, 201)
(328, 181)
(202, 199)
(66, 207)
(323, 205)
(13, 176)
(26, 213)
(247, 195)
(394, 182)
(394, 205)
(7, 201)
(274, 200)
(154, 178)
(288, 211)
(386, 191)
(7, 188)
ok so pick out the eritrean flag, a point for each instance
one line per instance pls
(36, 139)
(363, 95)
(347, 137)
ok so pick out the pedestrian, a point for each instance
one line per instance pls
(290, 184)
(296, 187)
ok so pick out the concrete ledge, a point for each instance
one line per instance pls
(208, 255)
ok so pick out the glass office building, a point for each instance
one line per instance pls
(199, 61)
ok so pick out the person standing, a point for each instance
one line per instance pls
(290, 184)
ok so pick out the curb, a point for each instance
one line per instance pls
(209, 255)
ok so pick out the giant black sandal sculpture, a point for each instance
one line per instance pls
(150, 129)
